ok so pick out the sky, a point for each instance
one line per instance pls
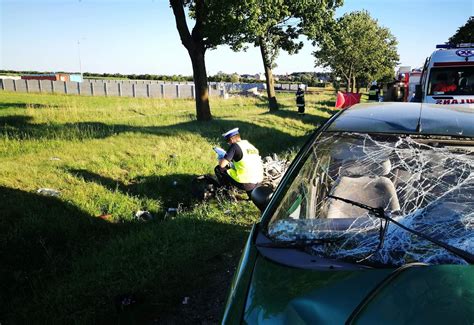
(140, 36)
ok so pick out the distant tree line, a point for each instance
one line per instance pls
(312, 79)
(16, 72)
(109, 75)
(307, 78)
(138, 76)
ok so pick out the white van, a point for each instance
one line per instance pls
(448, 76)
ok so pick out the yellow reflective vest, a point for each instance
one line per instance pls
(249, 169)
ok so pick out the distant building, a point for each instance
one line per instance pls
(75, 77)
(46, 76)
(53, 76)
(247, 76)
(10, 77)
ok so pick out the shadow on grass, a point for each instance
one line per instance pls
(327, 106)
(39, 237)
(61, 265)
(263, 103)
(328, 103)
(266, 139)
(307, 118)
(15, 121)
(172, 190)
(26, 105)
(291, 111)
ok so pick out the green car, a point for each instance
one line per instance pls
(373, 223)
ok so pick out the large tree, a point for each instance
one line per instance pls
(357, 49)
(274, 25)
(216, 22)
(464, 34)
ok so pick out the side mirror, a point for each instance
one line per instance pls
(261, 196)
(418, 94)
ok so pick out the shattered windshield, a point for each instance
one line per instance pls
(424, 184)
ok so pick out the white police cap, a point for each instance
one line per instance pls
(231, 133)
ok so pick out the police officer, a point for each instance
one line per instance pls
(241, 165)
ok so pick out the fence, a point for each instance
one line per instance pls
(124, 88)
(127, 88)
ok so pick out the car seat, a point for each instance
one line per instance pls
(364, 182)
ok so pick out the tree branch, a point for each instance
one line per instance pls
(181, 25)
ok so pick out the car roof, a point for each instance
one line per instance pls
(406, 118)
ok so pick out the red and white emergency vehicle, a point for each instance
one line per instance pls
(448, 76)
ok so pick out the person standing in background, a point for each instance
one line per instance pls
(374, 92)
(300, 102)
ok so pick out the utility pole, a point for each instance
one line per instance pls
(79, 53)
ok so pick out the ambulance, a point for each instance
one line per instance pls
(447, 77)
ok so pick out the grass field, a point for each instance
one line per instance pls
(71, 258)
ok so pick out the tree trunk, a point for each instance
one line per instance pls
(353, 83)
(272, 101)
(348, 86)
(194, 43)
(203, 110)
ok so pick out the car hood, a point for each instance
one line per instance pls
(431, 294)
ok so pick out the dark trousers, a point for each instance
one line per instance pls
(300, 108)
(224, 179)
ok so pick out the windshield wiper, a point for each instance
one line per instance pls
(385, 215)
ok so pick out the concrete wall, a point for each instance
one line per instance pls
(124, 88)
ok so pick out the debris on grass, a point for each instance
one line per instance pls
(48, 192)
(185, 300)
(171, 212)
(143, 215)
(124, 301)
(273, 170)
(106, 216)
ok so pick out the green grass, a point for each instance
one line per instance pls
(114, 156)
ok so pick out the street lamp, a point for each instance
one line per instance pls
(79, 53)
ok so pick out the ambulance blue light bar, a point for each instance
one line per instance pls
(453, 46)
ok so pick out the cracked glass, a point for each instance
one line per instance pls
(425, 183)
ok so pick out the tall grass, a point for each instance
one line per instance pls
(67, 258)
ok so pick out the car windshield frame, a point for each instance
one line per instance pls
(373, 225)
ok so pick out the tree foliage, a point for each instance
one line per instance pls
(279, 23)
(357, 49)
(464, 34)
(275, 25)
(271, 25)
